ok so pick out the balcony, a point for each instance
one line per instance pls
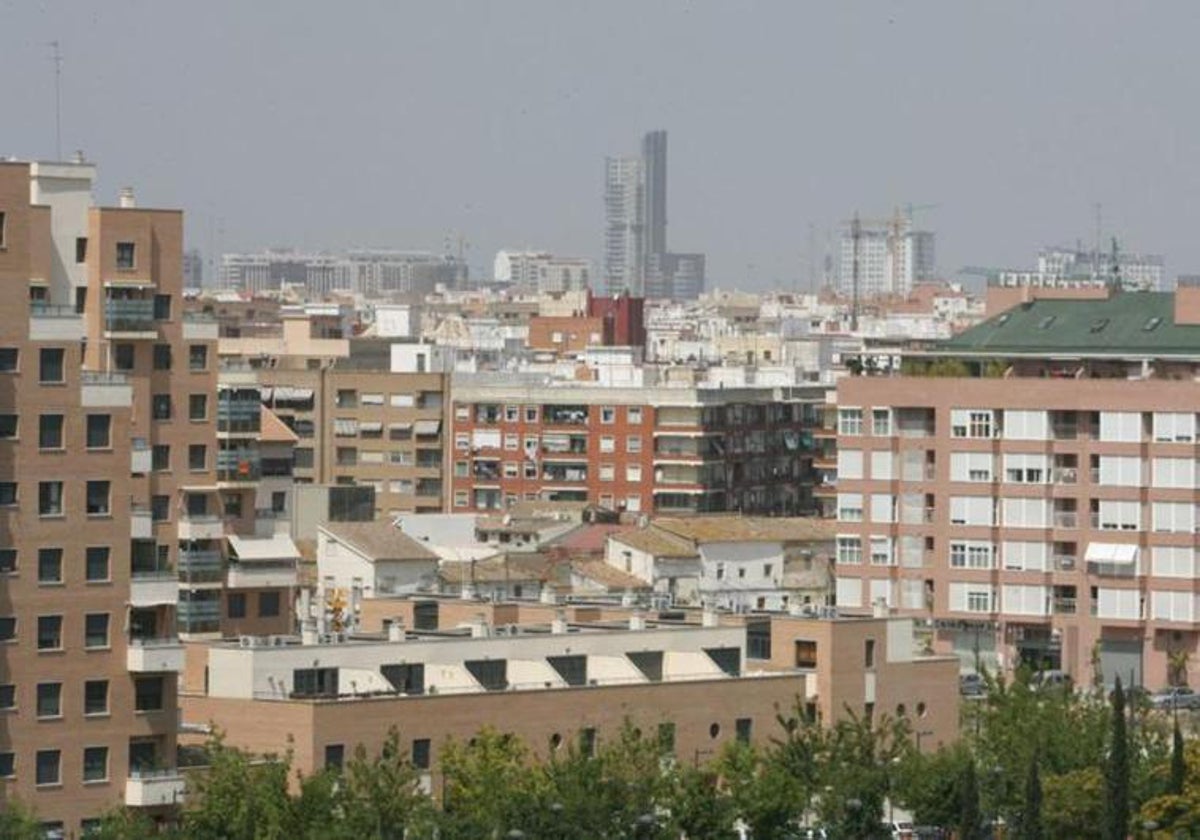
(153, 588)
(262, 574)
(141, 522)
(140, 457)
(154, 788)
(154, 655)
(50, 322)
(1064, 606)
(1066, 519)
(201, 527)
(1064, 562)
(200, 326)
(238, 466)
(129, 318)
(105, 390)
(1065, 475)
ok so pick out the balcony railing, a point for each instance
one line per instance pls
(129, 315)
(1066, 475)
(1066, 519)
(1064, 606)
(1064, 562)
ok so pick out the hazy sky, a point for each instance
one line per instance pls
(334, 124)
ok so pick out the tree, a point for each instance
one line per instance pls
(1116, 777)
(489, 786)
(1030, 826)
(761, 792)
(382, 796)
(240, 799)
(19, 823)
(970, 822)
(1178, 762)
(1073, 804)
(928, 784)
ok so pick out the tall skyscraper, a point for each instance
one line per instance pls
(636, 259)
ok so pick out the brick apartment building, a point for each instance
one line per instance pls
(1040, 504)
(100, 376)
(656, 450)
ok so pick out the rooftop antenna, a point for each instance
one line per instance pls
(57, 58)
(1099, 241)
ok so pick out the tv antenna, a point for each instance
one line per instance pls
(57, 58)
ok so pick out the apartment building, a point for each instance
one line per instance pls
(106, 415)
(660, 449)
(1040, 506)
(578, 674)
(364, 411)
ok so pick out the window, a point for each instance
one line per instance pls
(95, 764)
(850, 421)
(8, 628)
(197, 406)
(97, 498)
(881, 422)
(8, 426)
(9, 357)
(587, 741)
(160, 457)
(972, 597)
(50, 498)
(335, 756)
(972, 510)
(1121, 516)
(1026, 469)
(50, 431)
(883, 507)
(1174, 517)
(99, 431)
(160, 508)
(633, 472)
(8, 561)
(50, 565)
(970, 554)
(881, 551)
(162, 307)
(51, 366)
(608, 414)
(8, 697)
(123, 356)
(49, 635)
(1121, 426)
(160, 406)
(1120, 470)
(1173, 561)
(197, 357)
(162, 356)
(197, 456)
(1024, 556)
(315, 682)
(268, 604)
(850, 464)
(1024, 512)
(49, 700)
(95, 630)
(1178, 473)
(125, 255)
(8, 493)
(148, 694)
(3, 230)
(971, 423)
(881, 465)
(95, 697)
(849, 550)
(1174, 427)
(742, 728)
(49, 767)
(235, 605)
(531, 414)
(633, 414)
(869, 653)
(420, 753)
(849, 507)
(7, 765)
(608, 444)
(768, 569)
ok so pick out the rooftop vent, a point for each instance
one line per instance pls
(1152, 323)
(1099, 324)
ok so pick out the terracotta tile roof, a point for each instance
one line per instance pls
(379, 540)
(590, 538)
(513, 567)
(608, 576)
(658, 542)
(733, 528)
(274, 430)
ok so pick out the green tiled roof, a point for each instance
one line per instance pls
(1136, 323)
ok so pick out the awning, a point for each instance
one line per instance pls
(370, 427)
(278, 547)
(266, 392)
(427, 427)
(400, 427)
(1111, 553)
(285, 393)
(345, 428)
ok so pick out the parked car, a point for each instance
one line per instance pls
(972, 685)
(1046, 680)
(1176, 697)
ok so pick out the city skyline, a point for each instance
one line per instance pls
(980, 111)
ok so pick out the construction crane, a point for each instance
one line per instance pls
(896, 227)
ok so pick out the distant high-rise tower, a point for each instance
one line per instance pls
(623, 261)
(654, 190)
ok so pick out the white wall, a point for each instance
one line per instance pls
(394, 321)
(341, 562)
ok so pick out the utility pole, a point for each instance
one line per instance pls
(57, 58)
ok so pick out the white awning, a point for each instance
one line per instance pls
(266, 392)
(1122, 553)
(399, 427)
(345, 428)
(278, 547)
(427, 427)
(370, 427)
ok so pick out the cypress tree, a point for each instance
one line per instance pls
(1030, 826)
(968, 805)
(1178, 762)
(1116, 776)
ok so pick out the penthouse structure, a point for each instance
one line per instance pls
(577, 673)
(656, 450)
(1029, 487)
(107, 417)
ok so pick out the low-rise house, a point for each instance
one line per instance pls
(375, 557)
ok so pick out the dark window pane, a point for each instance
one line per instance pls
(268, 604)
(49, 699)
(236, 605)
(48, 769)
(95, 697)
(97, 498)
(51, 367)
(96, 630)
(50, 565)
(49, 632)
(97, 562)
(99, 431)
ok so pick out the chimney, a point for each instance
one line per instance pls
(559, 625)
(1187, 301)
(637, 620)
(479, 627)
(547, 595)
(308, 632)
(708, 617)
(396, 630)
(126, 199)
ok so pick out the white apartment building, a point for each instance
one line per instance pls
(541, 271)
(891, 259)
